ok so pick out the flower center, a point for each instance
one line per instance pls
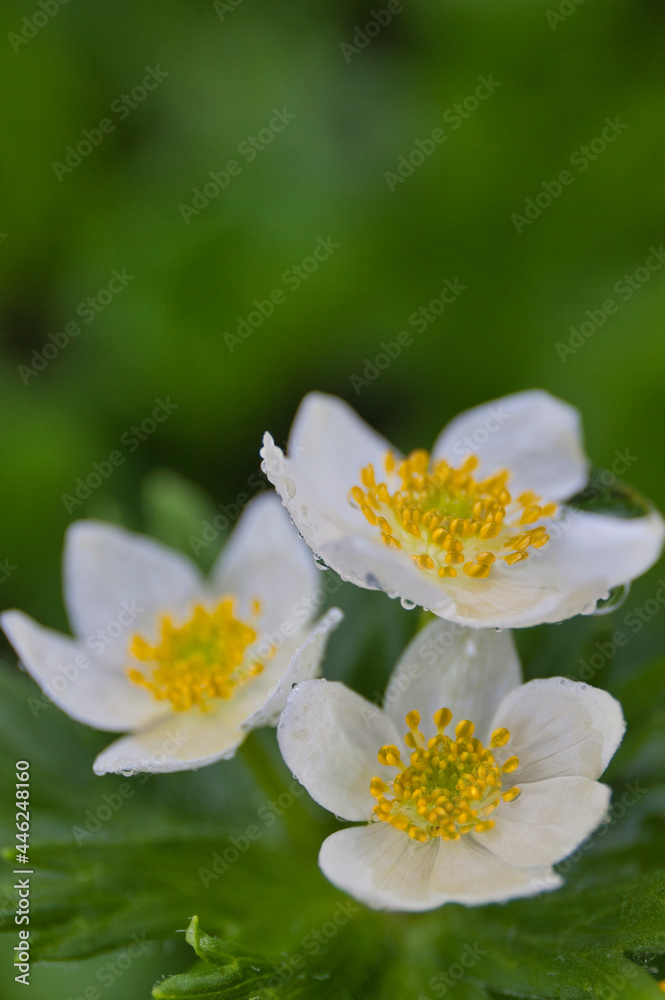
(206, 658)
(450, 786)
(443, 517)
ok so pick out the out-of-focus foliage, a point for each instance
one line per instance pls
(79, 436)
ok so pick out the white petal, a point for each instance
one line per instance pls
(506, 600)
(119, 582)
(535, 436)
(265, 559)
(330, 443)
(85, 686)
(586, 556)
(547, 822)
(330, 737)
(448, 666)
(328, 446)
(386, 869)
(298, 660)
(560, 728)
(180, 742)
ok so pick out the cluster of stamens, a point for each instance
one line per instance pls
(192, 664)
(450, 786)
(444, 518)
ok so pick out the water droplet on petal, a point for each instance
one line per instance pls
(290, 487)
(127, 772)
(319, 563)
(407, 604)
(392, 596)
(498, 630)
(264, 466)
(611, 600)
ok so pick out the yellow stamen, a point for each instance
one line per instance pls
(442, 517)
(449, 787)
(193, 664)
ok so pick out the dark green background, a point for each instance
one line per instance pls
(323, 176)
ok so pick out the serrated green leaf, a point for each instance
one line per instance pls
(341, 968)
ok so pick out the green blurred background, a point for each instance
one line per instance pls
(563, 69)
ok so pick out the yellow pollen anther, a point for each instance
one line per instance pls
(206, 658)
(367, 476)
(390, 755)
(442, 718)
(442, 517)
(516, 557)
(412, 719)
(449, 787)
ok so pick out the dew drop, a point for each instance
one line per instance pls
(407, 604)
(498, 630)
(320, 564)
(290, 487)
(392, 596)
(127, 772)
(264, 466)
(611, 600)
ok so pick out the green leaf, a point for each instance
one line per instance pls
(316, 968)
(605, 494)
(568, 946)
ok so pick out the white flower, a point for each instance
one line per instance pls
(474, 816)
(477, 532)
(188, 666)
